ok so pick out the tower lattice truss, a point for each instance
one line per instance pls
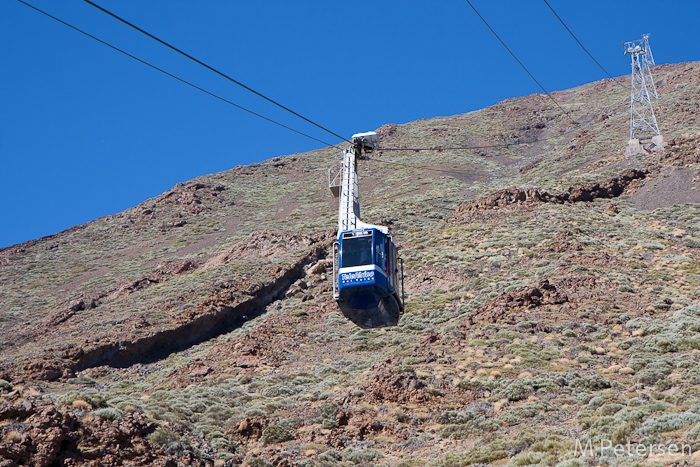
(643, 125)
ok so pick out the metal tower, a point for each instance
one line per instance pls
(643, 126)
(647, 63)
(647, 48)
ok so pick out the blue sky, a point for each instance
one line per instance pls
(86, 132)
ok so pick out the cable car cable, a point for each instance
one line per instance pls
(424, 167)
(519, 63)
(268, 119)
(214, 70)
(455, 171)
(579, 126)
(171, 75)
(503, 145)
(489, 146)
(579, 42)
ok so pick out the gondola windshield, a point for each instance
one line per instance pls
(356, 251)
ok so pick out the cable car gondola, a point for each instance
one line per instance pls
(366, 281)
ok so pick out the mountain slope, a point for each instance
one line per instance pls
(536, 317)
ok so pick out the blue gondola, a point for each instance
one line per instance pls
(366, 281)
(368, 291)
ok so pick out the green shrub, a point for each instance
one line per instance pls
(520, 389)
(363, 334)
(369, 346)
(336, 319)
(291, 423)
(108, 413)
(524, 325)
(478, 383)
(531, 409)
(527, 410)
(509, 419)
(453, 418)
(653, 372)
(510, 335)
(162, 437)
(593, 383)
(478, 425)
(331, 456)
(328, 424)
(279, 390)
(258, 462)
(527, 458)
(214, 434)
(550, 354)
(609, 409)
(359, 456)
(325, 411)
(303, 379)
(221, 444)
(411, 463)
(90, 396)
(323, 370)
(483, 455)
(627, 344)
(82, 380)
(668, 422)
(275, 434)
(571, 463)
(677, 258)
(516, 390)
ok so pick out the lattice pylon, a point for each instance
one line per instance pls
(643, 121)
(643, 125)
(647, 63)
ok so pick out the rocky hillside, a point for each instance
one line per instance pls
(552, 304)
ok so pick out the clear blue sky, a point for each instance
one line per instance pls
(86, 132)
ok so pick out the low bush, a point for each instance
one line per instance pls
(276, 434)
(359, 456)
(109, 413)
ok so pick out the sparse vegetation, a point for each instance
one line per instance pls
(489, 365)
